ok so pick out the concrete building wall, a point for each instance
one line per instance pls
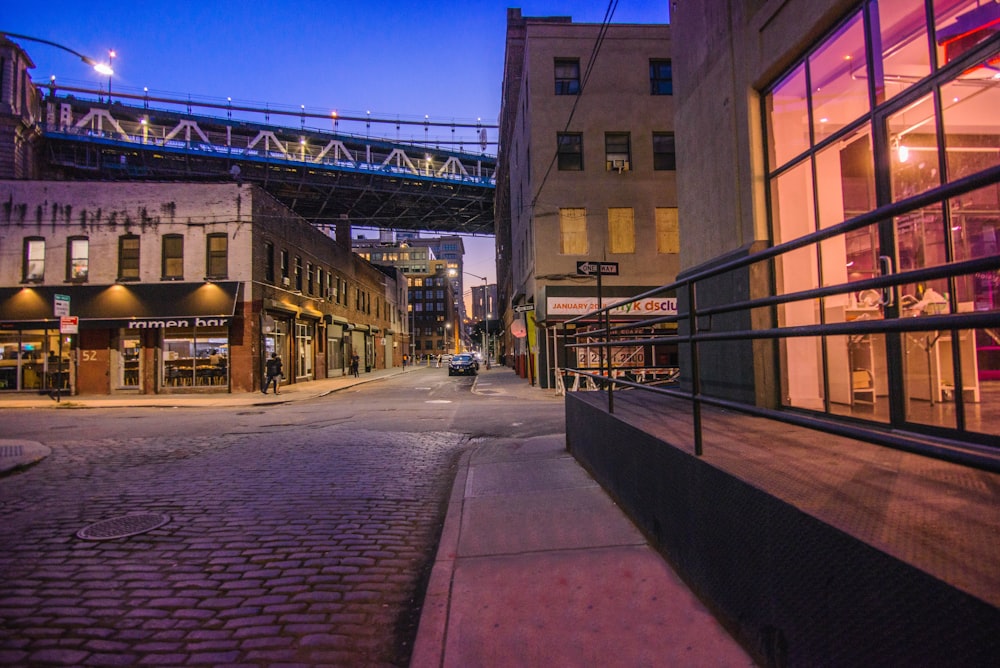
(731, 51)
(616, 98)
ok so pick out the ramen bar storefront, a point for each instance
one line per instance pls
(142, 338)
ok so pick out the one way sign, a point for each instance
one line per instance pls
(584, 268)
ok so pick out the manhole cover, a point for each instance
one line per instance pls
(122, 527)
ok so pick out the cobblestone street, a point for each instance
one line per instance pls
(287, 544)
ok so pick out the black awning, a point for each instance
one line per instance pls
(153, 304)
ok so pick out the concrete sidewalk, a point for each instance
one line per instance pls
(536, 565)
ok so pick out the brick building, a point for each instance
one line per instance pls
(181, 287)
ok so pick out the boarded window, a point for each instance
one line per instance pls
(621, 230)
(668, 238)
(573, 231)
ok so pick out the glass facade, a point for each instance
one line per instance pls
(30, 360)
(898, 100)
(196, 356)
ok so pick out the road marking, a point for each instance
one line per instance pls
(438, 401)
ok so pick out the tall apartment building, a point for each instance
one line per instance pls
(586, 172)
(434, 322)
(411, 253)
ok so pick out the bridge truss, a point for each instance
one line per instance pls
(326, 177)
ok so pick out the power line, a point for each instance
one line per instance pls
(605, 24)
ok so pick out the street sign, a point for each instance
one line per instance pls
(61, 305)
(521, 308)
(69, 324)
(584, 268)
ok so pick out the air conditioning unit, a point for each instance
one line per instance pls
(619, 165)
(286, 281)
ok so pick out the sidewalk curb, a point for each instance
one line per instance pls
(16, 455)
(429, 647)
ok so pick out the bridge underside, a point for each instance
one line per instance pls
(368, 198)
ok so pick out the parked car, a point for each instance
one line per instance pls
(462, 364)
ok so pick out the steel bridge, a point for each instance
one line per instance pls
(325, 176)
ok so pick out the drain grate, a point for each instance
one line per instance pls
(122, 527)
(11, 450)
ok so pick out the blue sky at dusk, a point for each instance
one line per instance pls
(439, 58)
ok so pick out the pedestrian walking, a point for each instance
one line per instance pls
(273, 367)
(355, 362)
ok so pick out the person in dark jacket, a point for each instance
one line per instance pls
(274, 372)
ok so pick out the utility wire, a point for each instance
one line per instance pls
(605, 25)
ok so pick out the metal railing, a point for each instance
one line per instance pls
(598, 329)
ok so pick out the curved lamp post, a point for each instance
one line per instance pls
(102, 68)
(486, 318)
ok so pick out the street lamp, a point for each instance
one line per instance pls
(447, 336)
(101, 68)
(111, 59)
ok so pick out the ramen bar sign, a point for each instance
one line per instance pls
(643, 308)
(180, 322)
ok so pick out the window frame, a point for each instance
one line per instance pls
(660, 84)
(167, 258)
(269, 261)
(215, 257)
(125, 254)
(72, 258)
(614, 143)
(569, 151)
(665, 160)
(567, 82)
(27, 257)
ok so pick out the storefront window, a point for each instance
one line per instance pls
(837, 80)
(30, 360)
(9, 359)
(304, 349)
(970, 107)
(914, 149)
(904, 47)
(196, 357)
(128, 352)
(961, 25)
(788, 118)
(835, 162)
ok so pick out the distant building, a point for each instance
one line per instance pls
(433, 318)
(412, 254)
(484, 302)
(585, 172)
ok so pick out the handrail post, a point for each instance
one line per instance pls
(611, 378)
(695, 369)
